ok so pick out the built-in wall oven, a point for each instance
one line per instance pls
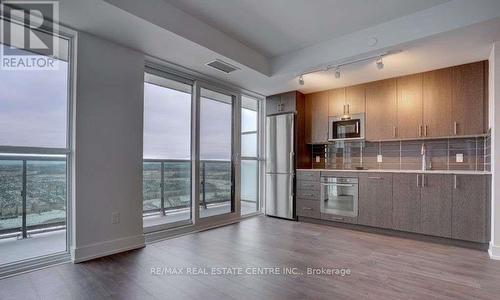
(339, 196)
(346, 127)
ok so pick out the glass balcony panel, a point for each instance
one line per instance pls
(46, 194)
(249, 186)
(151, 187)
(11, 186)
(215, 193)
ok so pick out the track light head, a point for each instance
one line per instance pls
(380, 63)
(337, 72)
(301, 80)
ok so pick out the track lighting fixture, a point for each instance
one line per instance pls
(380, 63)
(377, 58)
(337, 72)
(301, 80)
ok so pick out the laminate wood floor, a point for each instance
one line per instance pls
(382, 267)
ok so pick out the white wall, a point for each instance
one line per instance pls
(107, 174)
(494, 120)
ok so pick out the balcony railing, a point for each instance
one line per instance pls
(167, 184)
(32, 195)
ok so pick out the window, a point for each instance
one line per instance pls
(34, 159)
(249, 155)
(167, 151)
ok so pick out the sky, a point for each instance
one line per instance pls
(167, 125)
(33, 107)
(33, 113)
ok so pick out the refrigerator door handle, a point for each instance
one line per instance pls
(291, 159)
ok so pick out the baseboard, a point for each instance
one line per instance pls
(494, 251)
(106, 248)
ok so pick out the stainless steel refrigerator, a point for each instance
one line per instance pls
(280, 166)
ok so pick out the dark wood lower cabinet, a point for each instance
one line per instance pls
(436, 204)
(375, 200)
(443, 205)
(308, 208)
(469, 212)
(406, 202)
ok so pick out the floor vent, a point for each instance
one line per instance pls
(222, 66)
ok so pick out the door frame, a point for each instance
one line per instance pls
(235, 155)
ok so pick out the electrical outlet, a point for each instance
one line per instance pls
(379, 158)
(318, 158)
(115, 217)
(459, 158)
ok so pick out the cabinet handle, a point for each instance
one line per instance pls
(337, 218)
(455, 182)
(420, 130)
(418, 180)
(394, 131)
(423, 180)
(455, 128)
(376, 178)
(425, 130)
(306, 208)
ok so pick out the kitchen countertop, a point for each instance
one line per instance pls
(457, 172)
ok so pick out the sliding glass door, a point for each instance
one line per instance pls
(201, 152)
(167, 151)
(216, 170)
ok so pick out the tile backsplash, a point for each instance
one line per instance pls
(471, 154)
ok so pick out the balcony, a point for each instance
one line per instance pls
(32, 206)
(167, 191)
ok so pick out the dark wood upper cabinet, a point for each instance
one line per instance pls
(468, 99)
(317, 117)
(355, 98)
(437, 103)
(381, 117)
(469, 214)
(375, 200)
(406, 202)
(336, 102)
(436, 205)
(409, 107)
(281, 103)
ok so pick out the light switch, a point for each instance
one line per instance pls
(318, 158)
(459, 158)
(379, 158)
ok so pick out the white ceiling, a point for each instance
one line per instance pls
(279, 26)
(454, 32)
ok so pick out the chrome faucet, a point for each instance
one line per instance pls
(423, 152)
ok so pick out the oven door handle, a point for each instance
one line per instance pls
(337, 184)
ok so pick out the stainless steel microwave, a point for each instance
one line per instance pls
(341, 128)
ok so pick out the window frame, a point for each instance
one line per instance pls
(48, 153)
